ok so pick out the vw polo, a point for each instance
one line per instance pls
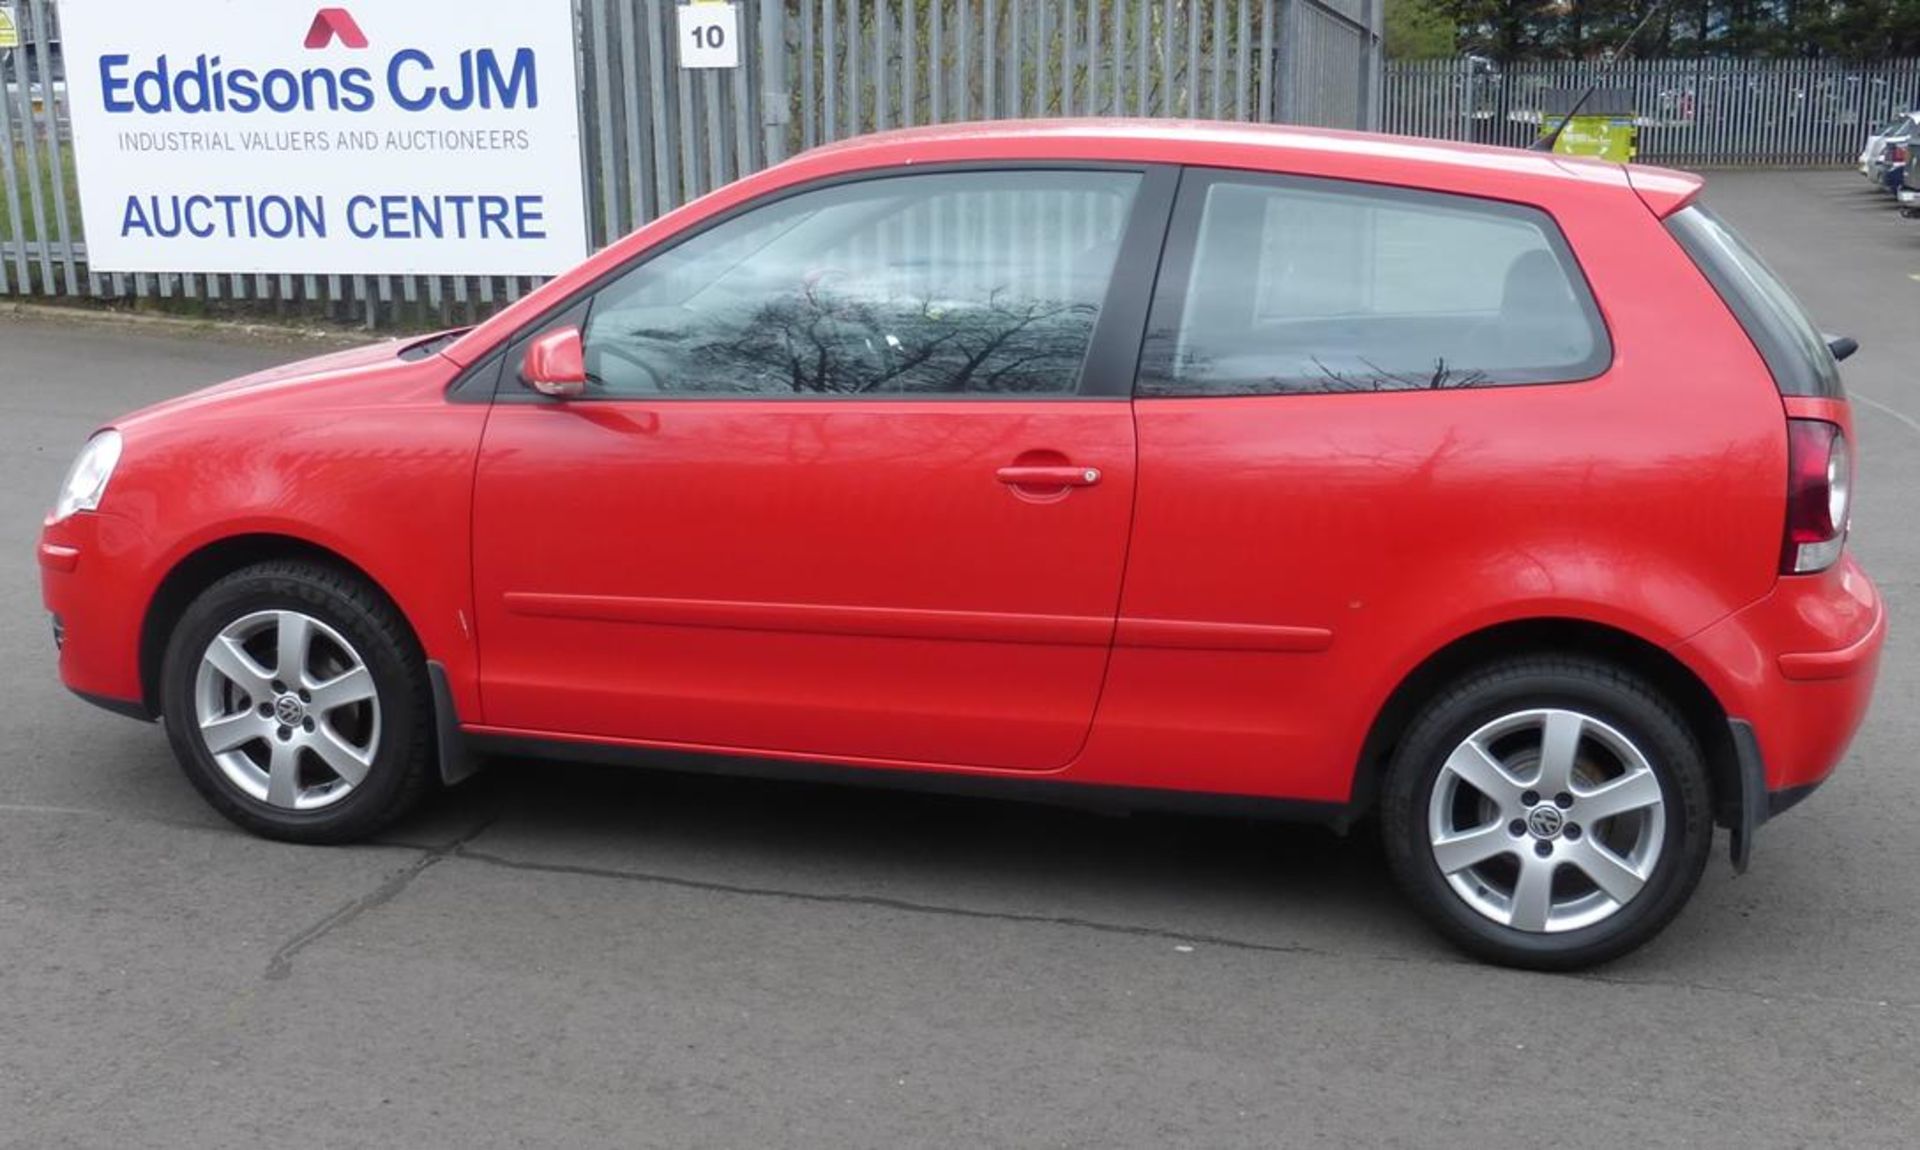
(1231, 468)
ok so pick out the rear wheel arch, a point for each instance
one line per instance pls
(1705, 717)
(202, 568)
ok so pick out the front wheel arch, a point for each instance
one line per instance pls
(1705, 717)
(206, 566)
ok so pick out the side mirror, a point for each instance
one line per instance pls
(556, 364)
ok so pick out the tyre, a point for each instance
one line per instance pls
(296, 700)
(1548, 812)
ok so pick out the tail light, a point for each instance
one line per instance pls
(1819, 496)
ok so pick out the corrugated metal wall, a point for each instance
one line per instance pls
(656, 136)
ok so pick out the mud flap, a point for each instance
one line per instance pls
(458, 763)
(1751, 809)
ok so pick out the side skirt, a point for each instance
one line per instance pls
(1088, 796)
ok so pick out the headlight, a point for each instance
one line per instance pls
(87, 478)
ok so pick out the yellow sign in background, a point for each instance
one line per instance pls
(9, 28)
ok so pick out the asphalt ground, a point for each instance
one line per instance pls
(567, 956)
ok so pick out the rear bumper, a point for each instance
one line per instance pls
(1798, 668)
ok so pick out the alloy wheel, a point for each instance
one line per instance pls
(1547, 820)
(287, 709)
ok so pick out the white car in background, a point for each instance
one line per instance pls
(1873, 146)
(1873, 158)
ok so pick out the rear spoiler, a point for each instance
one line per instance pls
(1664, 190)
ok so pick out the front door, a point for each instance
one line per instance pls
(838, 487)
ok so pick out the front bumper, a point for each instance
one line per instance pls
(92, 568)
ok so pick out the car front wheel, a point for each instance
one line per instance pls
(1548, 812)
(296, 701)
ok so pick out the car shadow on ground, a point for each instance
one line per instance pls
(772, 836)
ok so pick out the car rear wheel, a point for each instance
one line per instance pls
(1548, 812)
(296, 700)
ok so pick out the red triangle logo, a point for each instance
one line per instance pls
(329, 23)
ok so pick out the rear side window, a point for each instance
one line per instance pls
(1278, 285)
(1795, 351)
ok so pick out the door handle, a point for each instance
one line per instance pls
(1061, 475)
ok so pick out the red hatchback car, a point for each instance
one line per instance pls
(1220, 467)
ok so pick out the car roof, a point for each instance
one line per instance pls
(1193, 142)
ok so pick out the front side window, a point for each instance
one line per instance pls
(1297, 285)
(960, 283)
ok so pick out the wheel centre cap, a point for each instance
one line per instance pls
(1545, 821)
(289, 710)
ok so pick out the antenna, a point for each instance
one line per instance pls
(1546, 142)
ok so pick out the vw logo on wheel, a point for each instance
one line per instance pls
(1545, 821)
(289, 710)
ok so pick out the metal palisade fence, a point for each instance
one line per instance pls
(1689, 112)
(655, 135)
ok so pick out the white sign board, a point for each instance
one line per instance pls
(709, 35)
(436, 137)
(9, 27)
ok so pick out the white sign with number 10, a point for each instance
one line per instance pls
(709, 35)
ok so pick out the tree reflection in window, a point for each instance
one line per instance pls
(1313, 285)
(958, 283)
